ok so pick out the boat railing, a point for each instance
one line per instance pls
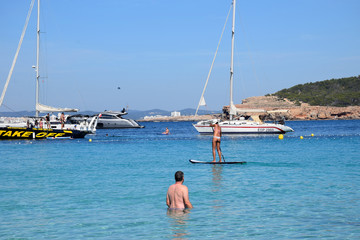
(93, 123)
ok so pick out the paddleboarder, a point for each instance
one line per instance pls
(216, 140)
(177, 197)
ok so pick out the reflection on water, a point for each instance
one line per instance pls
(178, 222)
(217, 177)
(217, 186)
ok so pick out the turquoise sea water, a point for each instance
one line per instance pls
(115, 186)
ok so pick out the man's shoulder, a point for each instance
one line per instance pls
(183, 187)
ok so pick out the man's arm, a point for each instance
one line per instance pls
(186, 198)
(167, 200)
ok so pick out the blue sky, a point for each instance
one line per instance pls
(159, 52)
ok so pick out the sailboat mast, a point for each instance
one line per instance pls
(37, 58)
(232, 61)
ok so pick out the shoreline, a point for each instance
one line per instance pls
(209, 117)
(277, 109)
(190, 118)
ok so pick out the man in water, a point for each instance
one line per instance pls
(216, 140)
(177, 197)
(167, 132)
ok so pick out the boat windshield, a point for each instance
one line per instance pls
(107, 116)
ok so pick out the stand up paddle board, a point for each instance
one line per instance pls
(197, 161)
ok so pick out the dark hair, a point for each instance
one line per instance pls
(179, 176)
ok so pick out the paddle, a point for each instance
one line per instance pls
(222, 154)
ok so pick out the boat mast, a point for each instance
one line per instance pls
(17, 53)
(232, 61)
(37, 58)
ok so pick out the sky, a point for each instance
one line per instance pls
(148, 54)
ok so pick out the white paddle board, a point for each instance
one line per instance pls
(203, 162)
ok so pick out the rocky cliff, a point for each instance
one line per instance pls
(297, 112)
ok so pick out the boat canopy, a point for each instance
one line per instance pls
(44, 108)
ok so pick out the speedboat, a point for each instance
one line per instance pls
(114, 119)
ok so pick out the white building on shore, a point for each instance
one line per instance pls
(175, 114)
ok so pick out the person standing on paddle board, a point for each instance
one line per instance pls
(177, 197)
(216, 140)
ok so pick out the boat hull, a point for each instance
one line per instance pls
(243, 127)
(117, 123)
(7, 133)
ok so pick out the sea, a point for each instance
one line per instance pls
(112, 185)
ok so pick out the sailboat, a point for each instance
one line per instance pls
(27, 128)
(235, 124)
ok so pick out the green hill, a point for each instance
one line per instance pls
(335, 92)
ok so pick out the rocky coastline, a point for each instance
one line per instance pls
(299, 112)
(282, 109)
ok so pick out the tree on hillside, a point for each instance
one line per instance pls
(335, 92)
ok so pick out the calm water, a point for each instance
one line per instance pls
(115, 186)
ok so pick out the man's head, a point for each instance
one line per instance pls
(179, 176)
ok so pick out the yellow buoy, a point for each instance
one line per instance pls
(281, 137)
(312, 134)
(90, 140)
(301, 137)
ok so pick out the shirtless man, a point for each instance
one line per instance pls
(62, 120)
(177, 197)
(47, 119)
(216, 140)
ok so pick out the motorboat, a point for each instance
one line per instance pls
(114, 119)
(234, 123)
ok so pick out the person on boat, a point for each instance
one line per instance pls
(177, 197)
(62, 120)
(41, 123)
(47, 119)
(216, 140)
(167, 132)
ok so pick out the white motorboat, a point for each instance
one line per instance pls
(236, 124)
(114, 119)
